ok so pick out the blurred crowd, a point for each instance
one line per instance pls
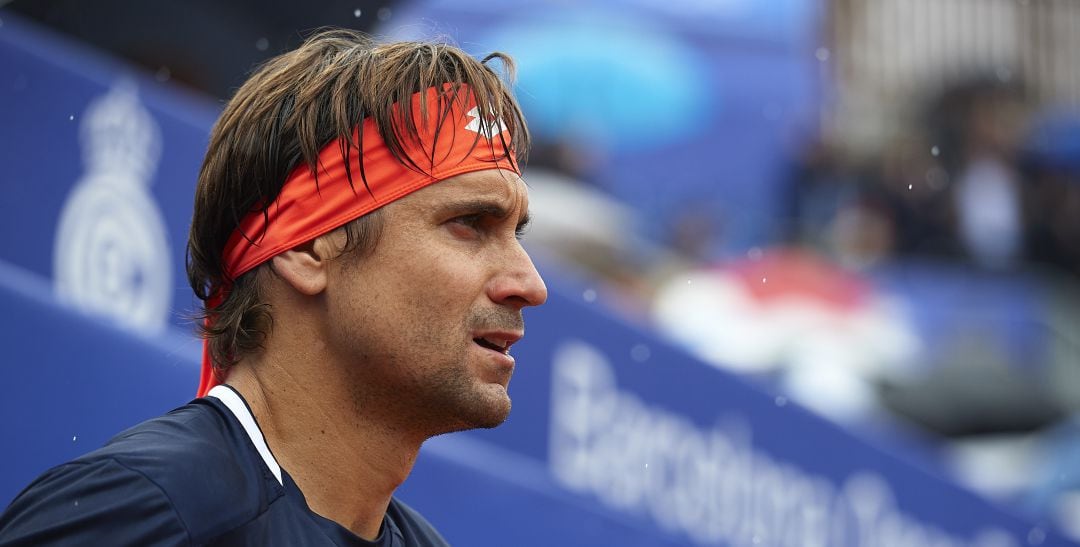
(978, 181)
(927, 290)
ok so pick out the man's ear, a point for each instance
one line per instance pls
(304, 267)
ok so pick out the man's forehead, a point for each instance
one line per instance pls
(499, 185)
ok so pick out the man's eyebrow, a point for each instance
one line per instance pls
(489, 208)
(478, 207)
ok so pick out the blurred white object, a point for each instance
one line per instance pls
(997, 466)
(824, 331)
(565, 210)
(988, 207)
(1067, 513)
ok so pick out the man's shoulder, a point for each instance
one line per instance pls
(413, 525)
(195, 444)
(91, 502)
(188, 469)
(201, 459)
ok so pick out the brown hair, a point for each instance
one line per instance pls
(288, 110)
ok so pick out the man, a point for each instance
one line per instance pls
(354, 242)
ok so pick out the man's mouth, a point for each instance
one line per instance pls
(484, 342)
(497, 341)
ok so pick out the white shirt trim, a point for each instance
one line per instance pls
(236, 405)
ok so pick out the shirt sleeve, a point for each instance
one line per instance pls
(101, 502)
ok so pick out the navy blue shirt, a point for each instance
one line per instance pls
(199, 475)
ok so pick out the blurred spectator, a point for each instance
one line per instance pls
(840, 210)
(820, 183)
(914, 185)
(1052, 206)
(977, 127)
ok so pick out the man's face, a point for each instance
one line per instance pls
(422, 321)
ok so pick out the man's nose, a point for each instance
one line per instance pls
(519, 284)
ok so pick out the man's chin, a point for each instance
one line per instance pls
(491, 413)
(483, 413)
(494, 420)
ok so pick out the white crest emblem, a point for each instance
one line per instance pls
(111, 256)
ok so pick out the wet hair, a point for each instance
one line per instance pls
(289, 109)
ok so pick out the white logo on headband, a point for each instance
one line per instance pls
(487, 127)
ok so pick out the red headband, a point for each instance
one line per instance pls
(305, 210)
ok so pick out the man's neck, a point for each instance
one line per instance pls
(347, 465)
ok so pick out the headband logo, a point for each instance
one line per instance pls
(488, 126)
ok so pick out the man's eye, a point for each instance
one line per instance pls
(466, 225)
(472, 221)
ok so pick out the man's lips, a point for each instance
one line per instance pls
(499, 341)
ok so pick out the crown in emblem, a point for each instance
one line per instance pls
(118, 136)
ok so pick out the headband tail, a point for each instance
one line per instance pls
(208, 378)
